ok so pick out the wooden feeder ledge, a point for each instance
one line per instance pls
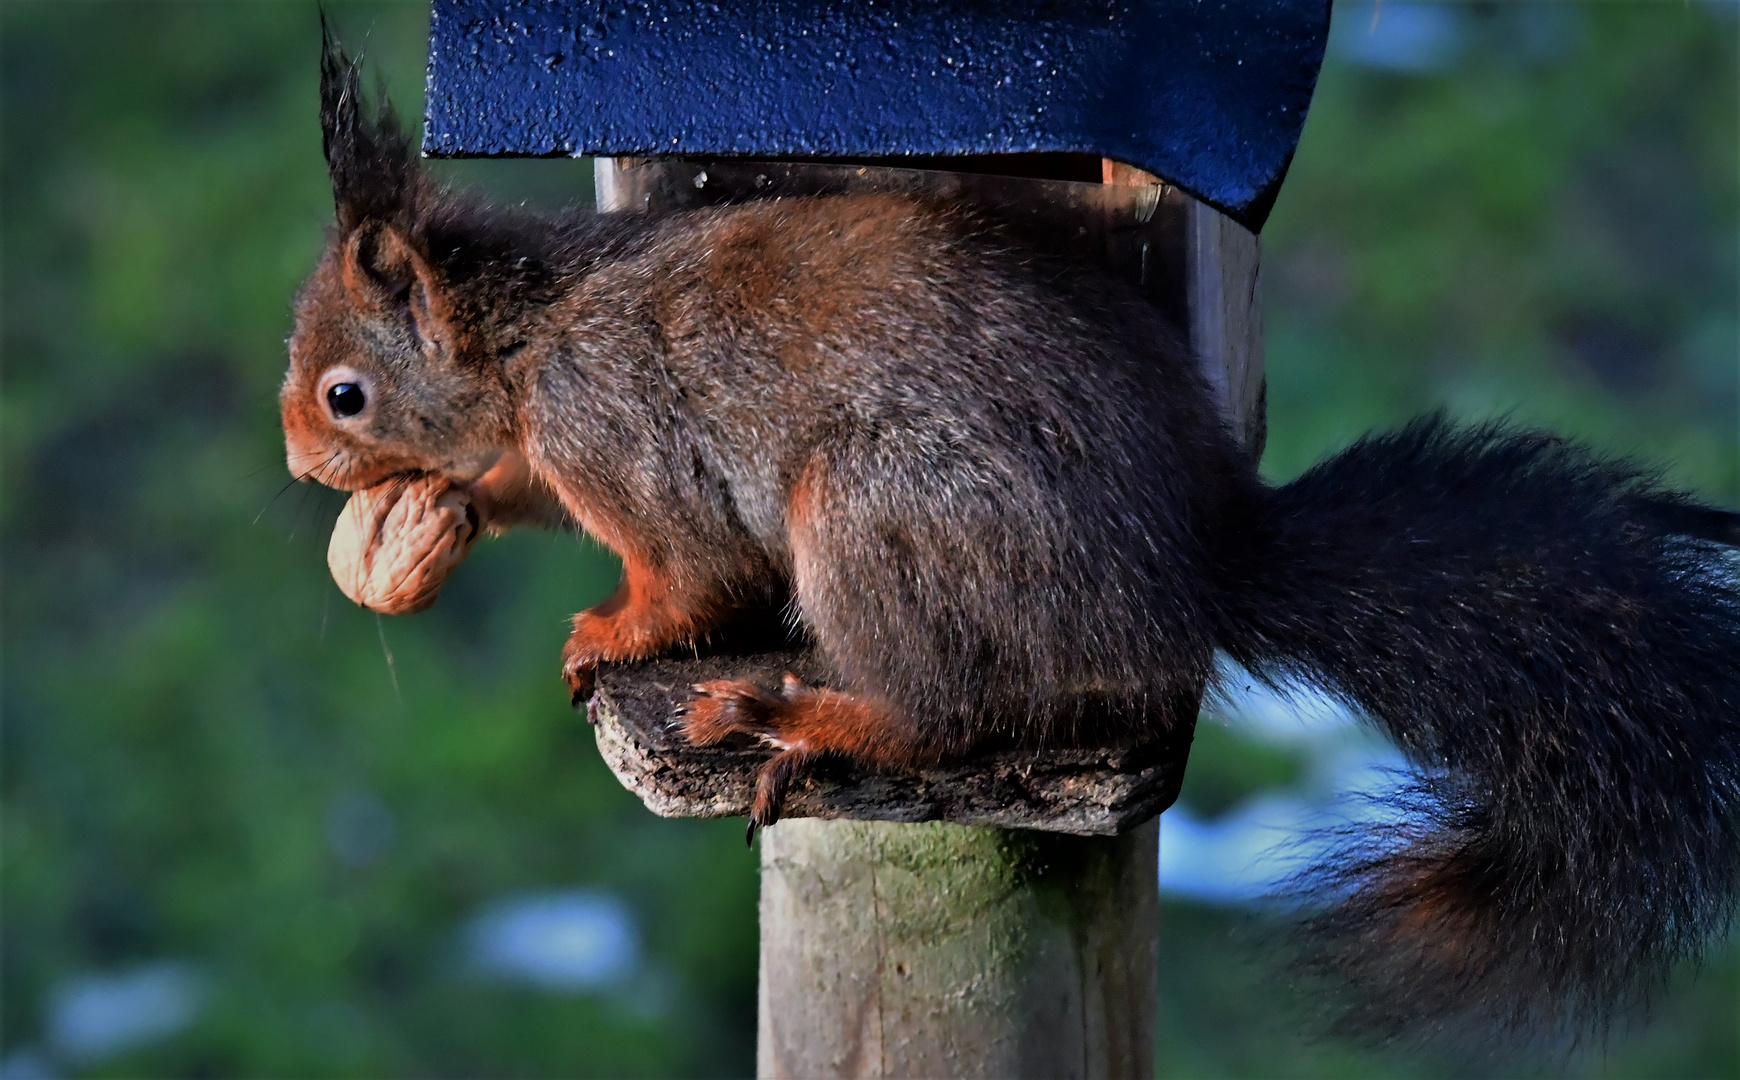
(1098, 792)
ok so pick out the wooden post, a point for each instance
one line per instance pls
(893, 949)
(1226, 318)
(938, 950)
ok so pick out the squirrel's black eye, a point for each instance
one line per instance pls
(346, 398)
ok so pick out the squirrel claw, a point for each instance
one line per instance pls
(580, 659)
(581, 677)
(772, 781)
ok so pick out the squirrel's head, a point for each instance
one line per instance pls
(393, 366)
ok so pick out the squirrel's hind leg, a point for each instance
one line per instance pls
(802, 722)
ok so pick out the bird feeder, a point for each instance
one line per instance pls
(995, 917)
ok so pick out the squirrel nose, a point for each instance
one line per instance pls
(305, 457)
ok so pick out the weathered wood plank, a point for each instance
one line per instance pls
(1100, 792)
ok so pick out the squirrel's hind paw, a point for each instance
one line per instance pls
(772, 781)
(727, 707)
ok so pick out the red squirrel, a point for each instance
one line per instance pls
(1004, 505)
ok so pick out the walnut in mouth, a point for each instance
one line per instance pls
(395, 544)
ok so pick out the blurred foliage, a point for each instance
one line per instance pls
(1545, 234)
(1227, 767)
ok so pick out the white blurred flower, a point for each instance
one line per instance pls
(1253, 850)
(562, 941)
(1396, 36)
(26, 1063)
(96, 1016)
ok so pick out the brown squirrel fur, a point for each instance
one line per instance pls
(723, 404)
(1003, 504)
(727, 398)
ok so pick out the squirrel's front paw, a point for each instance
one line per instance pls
(615, 637)
(584, 650)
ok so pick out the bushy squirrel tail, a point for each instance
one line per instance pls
(1553, 641)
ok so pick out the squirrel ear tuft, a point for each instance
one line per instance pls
(384, 270)
(373, 168)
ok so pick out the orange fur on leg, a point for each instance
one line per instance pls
(802, 722)
(644, 616)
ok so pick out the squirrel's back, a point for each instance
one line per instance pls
(771, 323)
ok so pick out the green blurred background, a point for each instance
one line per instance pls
(251, 830)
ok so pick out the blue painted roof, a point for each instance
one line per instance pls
(1207, 94)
